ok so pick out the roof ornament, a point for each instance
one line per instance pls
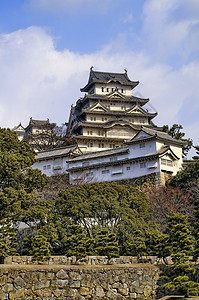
(125, 70)
(91, 68)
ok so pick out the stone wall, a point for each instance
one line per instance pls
(153, 179)
(89, 260)
(47, 282)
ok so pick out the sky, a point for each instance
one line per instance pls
(48, 46)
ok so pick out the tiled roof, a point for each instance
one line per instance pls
(39, 122)
(57, 152)
(146, 157)
(155, 133)
(105, 77)
(97, 154)
(107, 124)
(125, 98)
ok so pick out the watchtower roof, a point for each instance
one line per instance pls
(105, 77)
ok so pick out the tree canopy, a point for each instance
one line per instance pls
(175, 132)
(18, 182)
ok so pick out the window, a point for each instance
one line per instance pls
(100, 145)
(112, 146)
(142, 145)
(89, 132)
(169, 163)
(44, 167)
(91, 118)
(128, 168)
(143, 165)
(166, 162)
(122, 91)
(48, 167)
(107, 90)
(90, 145)
(100, 133)
(105, 171)
(102, 89)
(113, 158)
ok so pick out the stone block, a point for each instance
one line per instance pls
(50, 275)
(41, 276)
(147, 291)
(61, 274)
(75, 275)
(117, 285)
(75, 284)
(123, 291)
(8, 260)
(60, 283)
(100, 292)
(132, 295)
(3, 296)
(84, 291)
(68, 292)
(19, 282)
(8, 287)
(3, 280)
(43, 284)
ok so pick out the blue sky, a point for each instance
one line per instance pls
(48, 46)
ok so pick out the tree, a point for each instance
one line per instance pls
(137, 246)
(196, 157)
(77, 243)
(48, 137)
(40, 248)
(7, 239)
(123, 208)
(181, 242)
(106, 243)
(167, 199)
(176, 133)
(187, 180)
(18, 182)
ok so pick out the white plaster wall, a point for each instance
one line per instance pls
(112, 173)
(136, 150)
(52, 167)
(126, 89)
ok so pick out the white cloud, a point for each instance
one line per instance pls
(41, 82)
(128, 19)
(171, 27)
(72, 6)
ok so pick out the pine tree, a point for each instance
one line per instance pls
(181, 244)
(196, 157)
(137, 245)
(76, 243)
(106, 243)
(40, 248)
(7, 239)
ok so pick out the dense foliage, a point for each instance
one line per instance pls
(122, 208)
(18, 181)
(181, 246)
(176, 132)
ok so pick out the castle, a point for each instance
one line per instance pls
(115, 136)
